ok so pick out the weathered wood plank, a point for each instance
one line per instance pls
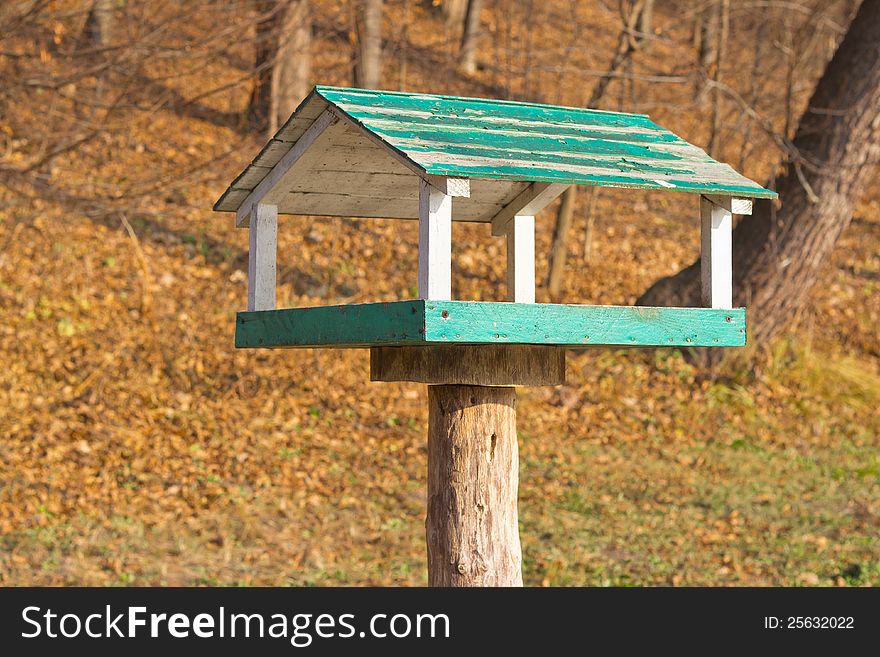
(479, 322)
(445, 137)
(457, 187)
(283, 165)
(477, 365)
(731, 204)
(473, 322)
(393, 118)
(391, 185)
(355, 325)
(450, 136)
(440, 106)
(318, 204)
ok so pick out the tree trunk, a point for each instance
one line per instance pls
(646, 26)
(473, 468)
(291, 75)
(265, 50)
(720, 53)
(453, 14)
(470, 36)
(707, 36)
(368, 65)
(98, 30)
(778, 254)
(559, 249)
(626, 45)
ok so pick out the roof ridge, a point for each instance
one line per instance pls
(495, 101)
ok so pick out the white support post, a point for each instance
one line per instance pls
(521, 259)
(435, 243)
(263, 229)
(716, 254)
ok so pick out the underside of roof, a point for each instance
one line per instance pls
(367, 161)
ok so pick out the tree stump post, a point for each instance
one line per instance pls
(472, 526)
(473, 466)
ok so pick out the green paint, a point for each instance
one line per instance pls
(399, 322)
(533, 157)
(475, 322)
(532, 142)
(382, 120)
(598, 154)
(601, 180)
(494, 141)
(462, 106)
(508, 140)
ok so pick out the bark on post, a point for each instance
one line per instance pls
(473, 468)
(473, 459)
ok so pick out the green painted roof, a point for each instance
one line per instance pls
(514, 141)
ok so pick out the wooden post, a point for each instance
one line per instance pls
(716, 254)
(263, 229)
(473, 469)
(521, 259)
(435, 242)
(473, 462)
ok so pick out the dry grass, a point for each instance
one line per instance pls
(138, 447)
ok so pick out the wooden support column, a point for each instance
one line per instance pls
(435, 242)
(473, 468)
(716, 254)
(473, 463)
(263, 229)
(521, 259)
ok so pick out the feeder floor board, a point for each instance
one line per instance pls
(421, 322)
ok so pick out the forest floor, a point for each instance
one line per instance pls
(139, 447)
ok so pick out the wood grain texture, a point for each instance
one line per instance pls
(356, 325)
(473, 467)
(432, 135)
(284, 163)
(478, 365)
(732, 204)
(345, 174)
(416, 322)
(459, 187)
(262, 253)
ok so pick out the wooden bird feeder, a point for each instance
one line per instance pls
(439, 159)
